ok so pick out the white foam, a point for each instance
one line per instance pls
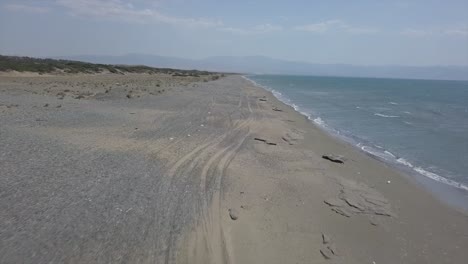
(319, 121)
(382, 115)
(393, 103)
(389, 153)
(404, 162)
(385, 155)
(441, 179)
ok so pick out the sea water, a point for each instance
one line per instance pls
(420, 125)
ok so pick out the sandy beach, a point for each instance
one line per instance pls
(141, 168)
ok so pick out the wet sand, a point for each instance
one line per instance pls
(161, 169)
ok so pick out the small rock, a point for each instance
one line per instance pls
(233, 214)
(334, 158)
(326, 254)
(277, 109)
(262, 99)
(388, 182)
(58, 106)
(325, 239)
(46, 105)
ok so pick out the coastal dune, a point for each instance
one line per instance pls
(142, 168)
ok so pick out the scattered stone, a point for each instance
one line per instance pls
(11, 105)
(325, 239)
(46, 105)
(292, 137)
(58, 106)
(373, 222)
(277, 109)
(357, 198)
(60, 95)
(233, 214)
(80, 96)
(341, 212)
(328, 252)
(129, 96)
(265, 141)
(388, 182)
(334, 158)
(262, 99)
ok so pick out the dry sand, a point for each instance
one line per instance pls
(159, 169)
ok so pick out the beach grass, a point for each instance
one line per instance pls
(45, 66)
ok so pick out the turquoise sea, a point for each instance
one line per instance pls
(420, 126)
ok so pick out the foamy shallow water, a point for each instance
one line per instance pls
(418, 125)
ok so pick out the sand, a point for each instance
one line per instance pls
(161, 169)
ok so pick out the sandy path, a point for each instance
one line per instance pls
(151, 179)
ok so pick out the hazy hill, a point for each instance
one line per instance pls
(260, 64)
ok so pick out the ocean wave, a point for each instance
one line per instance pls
(393, 103)
(388, 116)
(319, 121)
(391, 158)
(441, 179)
(377, 151)
(384, 155)
(404, 162)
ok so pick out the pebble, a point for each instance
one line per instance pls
(325, 239)
(233, 214)
(334, 158)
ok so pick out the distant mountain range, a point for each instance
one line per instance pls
(266, 65)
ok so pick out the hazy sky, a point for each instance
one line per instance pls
(363, 32)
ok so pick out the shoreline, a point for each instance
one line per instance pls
(450, 192)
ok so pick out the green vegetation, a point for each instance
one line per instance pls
(42, 66)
